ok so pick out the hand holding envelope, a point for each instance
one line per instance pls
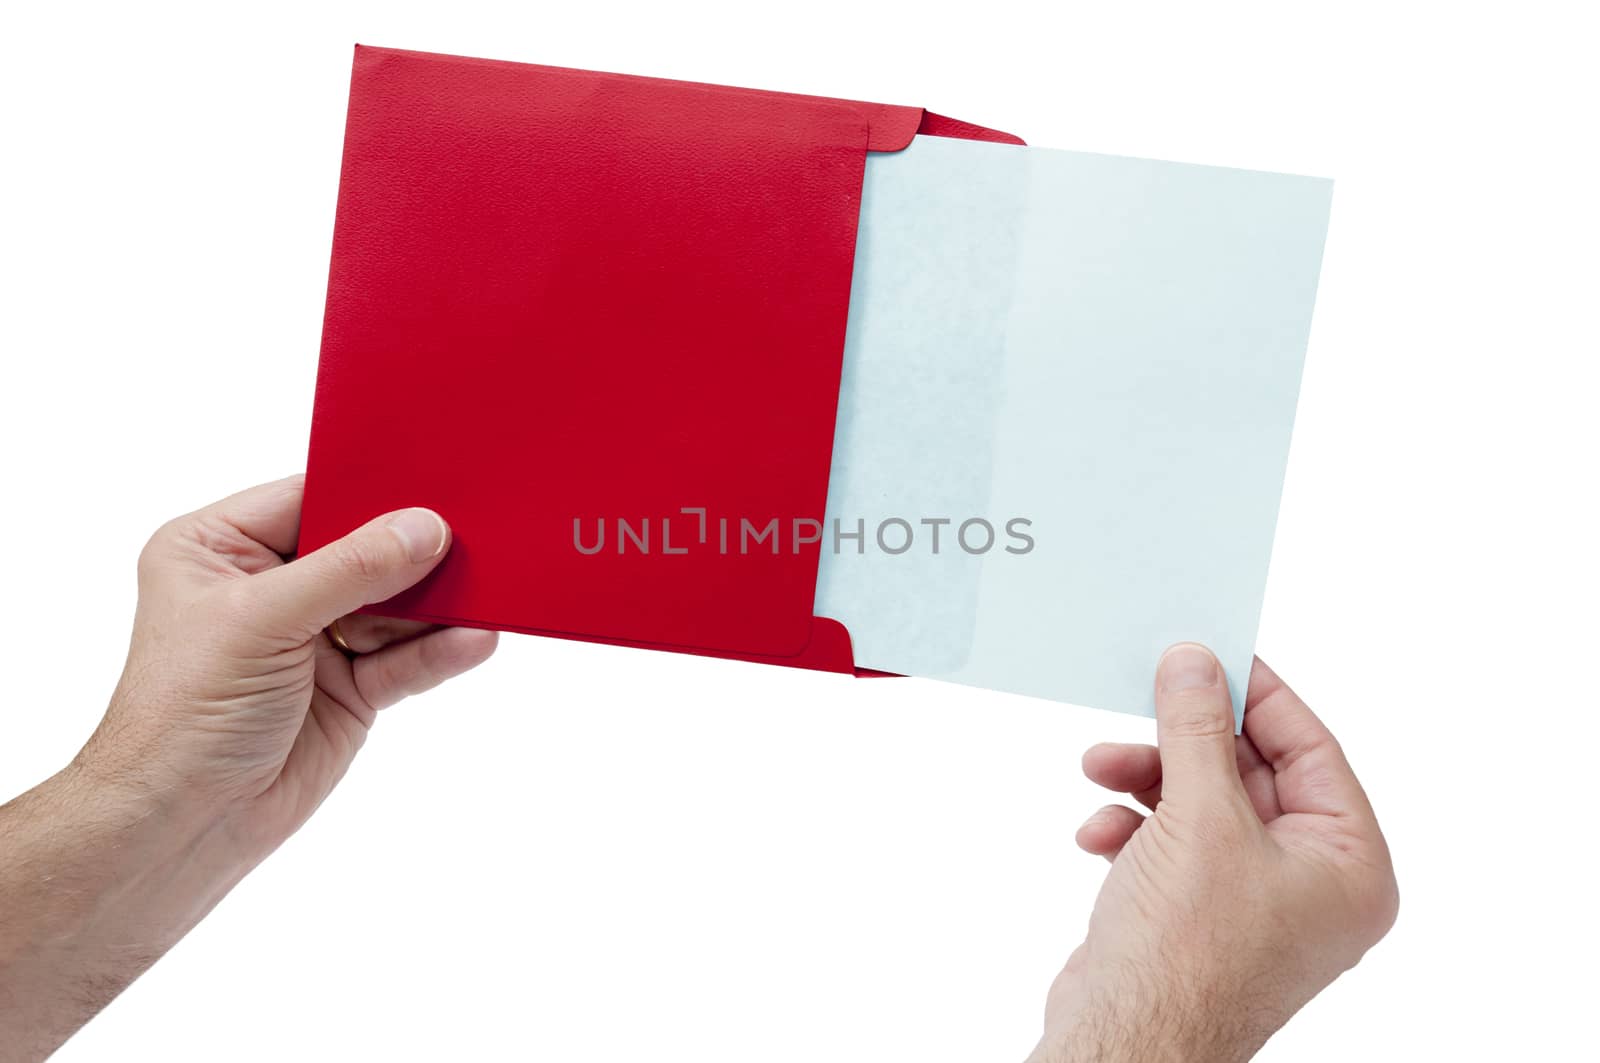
(698, 315)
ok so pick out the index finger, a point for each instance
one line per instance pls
(268, 513)
(1311, 771)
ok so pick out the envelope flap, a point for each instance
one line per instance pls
(891, 126)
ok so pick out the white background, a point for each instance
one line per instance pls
(582, 853)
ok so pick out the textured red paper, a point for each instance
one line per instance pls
(560, 295)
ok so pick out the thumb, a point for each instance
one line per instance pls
(1194, 726)
(375, 562)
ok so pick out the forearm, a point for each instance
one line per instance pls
(1132, 1019)
(97, 881)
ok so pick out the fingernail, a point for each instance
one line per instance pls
(1187, 666)
(422, 531)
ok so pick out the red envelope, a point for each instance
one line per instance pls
(560, 300)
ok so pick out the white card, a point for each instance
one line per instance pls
(1101, 353)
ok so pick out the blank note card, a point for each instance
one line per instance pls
(1094, 358)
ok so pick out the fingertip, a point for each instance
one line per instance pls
(420, 664)
(1127, 767)
(1107, 753)
(1264, 683)
(1092, 757)
(1192, 700)
(482, 644)
(1186, 666)
(1088, 835)
(423, 532)
(1108, 830)
(467, 647)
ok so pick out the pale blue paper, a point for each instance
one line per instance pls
(1108, 347)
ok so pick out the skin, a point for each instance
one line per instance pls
(234, 718)
(1258, 877)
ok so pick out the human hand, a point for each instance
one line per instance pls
(234, 718)
(233, 699)
(1259, 876)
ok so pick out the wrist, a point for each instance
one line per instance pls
(100, 879)
(156, 851)
(1146, 1013)
(168, 839)
(141, 765)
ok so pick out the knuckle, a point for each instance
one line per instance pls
(361, 558)
(1212, 832)
(229, 610)
(432, 656)
(160, 547)
(1389, 910)
(383, 681)
(235, 604)
(1213, 827)
(1378, 905)
(1233, 824)
(379, 675)
(1189, 716)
